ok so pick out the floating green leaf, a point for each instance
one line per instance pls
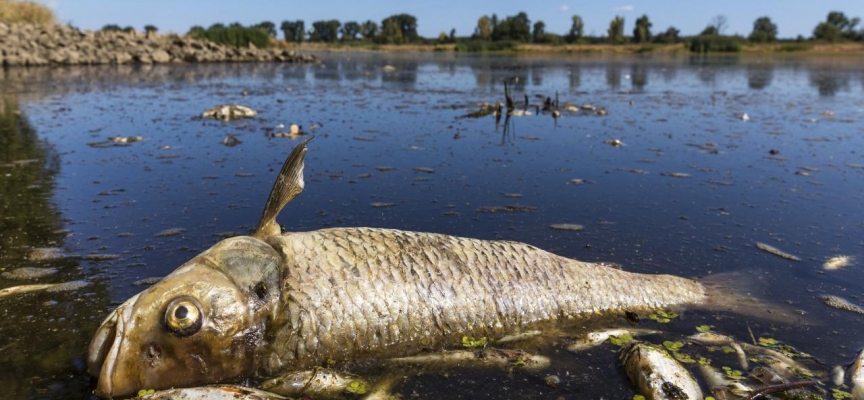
(727, 349)
(767, 342)
(703, 328)
(145, 392)
(357, 387)
(673, 346)
(621, 340)
(663, 317)
(704, 361)
(472, 343)
(683, 357)
(806, 373)
(839, 394)
(638, 397)
(733, 373)
(710, 398)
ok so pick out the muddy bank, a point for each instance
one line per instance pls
(32, 45)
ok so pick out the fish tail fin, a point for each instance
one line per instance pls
(735, 292)
(289, 183)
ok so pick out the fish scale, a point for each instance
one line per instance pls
(386, 291)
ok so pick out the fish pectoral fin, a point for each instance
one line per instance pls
(318, 382)
(288, 185)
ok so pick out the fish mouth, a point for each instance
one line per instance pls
(103, 354)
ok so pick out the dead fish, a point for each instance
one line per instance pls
(230, 111)
(231, 140)
(490, 357)
(125, 139)
(424, 169)
(777, 252)
(28, 273)
(841, 303)
(518, 336)
(318, 382)
(567, 227)
(721, 385)
(48, 287)
(838, 262)
(614, 142)
(170, 232)
(657, 375)
(268, 303)
(597, 338)
(676, 174)
(216, 392)
(778, 362)
(716, 339)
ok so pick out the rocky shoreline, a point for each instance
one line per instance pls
(33, 45)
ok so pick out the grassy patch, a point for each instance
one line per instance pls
(235, 36)
(714, 44)
(27, 12)
(480, 46)
(793, 47)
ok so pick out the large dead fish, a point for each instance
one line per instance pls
(261, 305)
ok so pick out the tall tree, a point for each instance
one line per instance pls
(670, 36)
(484, 28)
(763, 30)
(616, 30)
(494, 21)
(642, 30)
(516, 27)
(294, 31)
(407, 25)
(350, 30)
(325, 31)
(539, 33)
(390, 32)
(268, 27)
(369, 30)
(836, 26)
(719, 23)
(576, 29)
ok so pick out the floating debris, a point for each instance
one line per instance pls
(385, 168)
(229, 111)
(594, 339)
(519, 336)
(828, 114)
(26, 273)
(512, 195)
(382, 205)
(424, 169)
(529, 137)
(491, 357)
(837, 262)
(841, 303)
(576, 181)
(567, 227)
(170, 232)
(856, 166)
(676, 174)
(126, 139)
(244, 174)
(745, 117)
(777, 252)
(231, 140)
(100, 257)
(147, 281)
(388, 68)
(364, 139)
(48, 287)
(614, 142)
(510, 209)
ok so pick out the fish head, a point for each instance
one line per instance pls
(203, 323)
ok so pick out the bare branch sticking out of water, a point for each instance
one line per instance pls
(777, 252)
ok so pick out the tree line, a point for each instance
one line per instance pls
(402, 29)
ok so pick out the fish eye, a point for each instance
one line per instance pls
(183, 316)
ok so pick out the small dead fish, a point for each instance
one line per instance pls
(518, 336)
(317, 382)
(100, 257)
(382, 205)
(28, 273)
(512, 195)
(170, 232)
(856, 376)
(657, 375)
(778, 362)
(231, 140)
(676, 174)
(716, 339)
(424, 169)
(48, 287)
(217, 392)
(567, 227)
(777, 252)
(838, 262)
(841, 303)
(614, 142)
(486, 357)
(230, 111)
(597, 338)
(125, 139)
(721, 385)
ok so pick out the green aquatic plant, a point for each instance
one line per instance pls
(621, 340)
(663, 317)
(146, 392)
(357, 387)
(704, 361)
(673, 346)
(471, 343)
(703, 328)
(768, 342)
(683, 357)
(733, 373)
(839, 394)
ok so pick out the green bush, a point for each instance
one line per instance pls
(480, 46)
(714, 43)
(236, 36)
(792, 47)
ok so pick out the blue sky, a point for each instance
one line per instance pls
(793, 17)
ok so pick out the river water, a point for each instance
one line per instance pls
(690, 192)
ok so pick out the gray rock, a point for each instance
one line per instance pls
(160, 56)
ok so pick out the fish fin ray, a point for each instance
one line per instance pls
(289, 183)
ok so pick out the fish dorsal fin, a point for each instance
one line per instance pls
(288, 185)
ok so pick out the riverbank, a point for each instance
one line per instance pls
(35, 45)
(804, 48)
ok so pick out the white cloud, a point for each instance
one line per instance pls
(626, 8)
(563, 7)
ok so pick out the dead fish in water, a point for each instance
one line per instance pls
(841, 303)
(49, 287)
(657, 375)
(597, 338)
(837, 262)
(318, 382)
(268, 303)
(721, 385)
(487, 357)
(856, 376)
(229, 112)
(716, 339)
(777, 252)
(216, 392)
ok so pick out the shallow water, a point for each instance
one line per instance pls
(675, 116)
